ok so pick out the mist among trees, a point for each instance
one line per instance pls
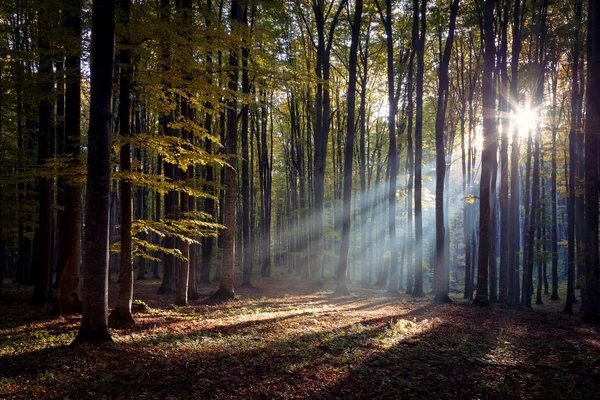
(392, 177)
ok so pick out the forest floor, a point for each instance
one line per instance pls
(281, 340)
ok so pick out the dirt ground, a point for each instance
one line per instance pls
(284, 340)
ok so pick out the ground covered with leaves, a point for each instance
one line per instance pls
(282, 340)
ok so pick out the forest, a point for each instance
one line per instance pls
(317, 199)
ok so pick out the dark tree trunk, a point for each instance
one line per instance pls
(341, 287)
(420, 49)
(553, 194)
(410, 165)
(247, 261)
(441, 272)
(504, 199)
(171, 197)
(393, 284)
(591, 299)
(573, 161)
(487, 155)
(42, 261)
(186, 26)
(122, 313)
(209, 203)
(514, 245)
(226, 290)
(321, 133)
(365, 262)
(68, 291)
(94, 322)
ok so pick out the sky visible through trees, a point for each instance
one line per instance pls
(437, 152)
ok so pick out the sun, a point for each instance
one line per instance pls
(525, 119)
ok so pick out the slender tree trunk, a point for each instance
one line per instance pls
(418, 279)
(321, 135)
(553, 193)
(122, 313)
(247, 260)
(209, 203)
(513, 262)
(504, 199)
(410, 266)
(487, 154)
(442, 276)
(68, 291)
(341, 287)
(365, 261)
(226, 290)
(171, 197)
(42, 263)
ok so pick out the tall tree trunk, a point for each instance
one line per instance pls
(504, 199)
(410, 165)
(442, 277)
(364, 237)
(209, 203)
(341, 287)
(171, 197)
(226, 290)
(122, 313)
(420, 49)
(591, 300)
(68, 290)
(487, 154)
(553, 192)
(247, 260)
(94, 322)
(42, 264)
(393, 285)
(514, 245)
(321, 133)
(186, 27)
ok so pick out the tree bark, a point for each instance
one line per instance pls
(487, 154)
(94, 322)
(122, 313)
(418, 278)
(68, 291)
(341, 287)
(226, 290)
(591, 300)
(441, 272)
(42, 264)
(513, 263)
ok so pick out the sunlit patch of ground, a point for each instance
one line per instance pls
(283, 340)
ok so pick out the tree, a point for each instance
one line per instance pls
(341, 287)
(68, 292)
(591, 300)
(94, 322)
(321, 132)
(392, 150)
(42, 264)
(418, 278)
(442, 275)
(573, 162)
(226, 290)
(513, 262)
(122, 313)
(488, 151)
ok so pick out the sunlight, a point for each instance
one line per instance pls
(384, 109)
(525, 119)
